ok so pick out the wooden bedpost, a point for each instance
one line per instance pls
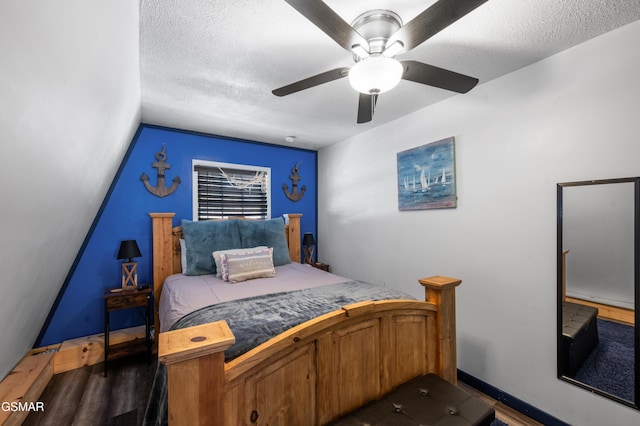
(194, 358)
(293, 237)
(162, 259)
(442, 291)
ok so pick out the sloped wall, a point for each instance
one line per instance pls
(571, 117)
(126, 216)
(69, 105)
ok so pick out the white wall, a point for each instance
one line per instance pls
(570, 117)
(69, 106)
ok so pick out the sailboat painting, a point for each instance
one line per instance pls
(427, 176)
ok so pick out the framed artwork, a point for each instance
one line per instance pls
(427, 176)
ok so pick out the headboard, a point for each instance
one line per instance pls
(167, 255)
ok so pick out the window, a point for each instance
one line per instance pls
(223, 191)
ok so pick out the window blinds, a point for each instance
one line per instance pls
(225, 193)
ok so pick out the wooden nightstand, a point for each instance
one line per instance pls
(320, 265)
(125, 300)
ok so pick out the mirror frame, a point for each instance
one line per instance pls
(560, 272)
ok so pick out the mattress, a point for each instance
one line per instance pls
(182, 294)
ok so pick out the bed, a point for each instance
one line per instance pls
(327, 362)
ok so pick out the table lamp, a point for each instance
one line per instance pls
(128, 250)
(308, 244)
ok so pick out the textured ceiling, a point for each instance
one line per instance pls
(210, 65)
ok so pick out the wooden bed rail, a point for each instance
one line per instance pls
(314, 372)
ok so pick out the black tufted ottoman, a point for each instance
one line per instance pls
(425, 400)
(579, 335)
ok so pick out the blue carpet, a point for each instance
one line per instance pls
(610, 365)
(497, 422)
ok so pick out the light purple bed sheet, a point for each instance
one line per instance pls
(183, 294)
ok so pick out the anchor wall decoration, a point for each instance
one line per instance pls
(294, 195)
(161, 189)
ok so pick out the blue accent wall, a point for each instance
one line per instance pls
(125, 215)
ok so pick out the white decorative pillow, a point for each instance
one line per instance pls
(218, 260)
(246, 266)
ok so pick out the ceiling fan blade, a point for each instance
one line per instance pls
(366, 107)
(437, 77)
(312, 81)
(433, 20)
(329, 22)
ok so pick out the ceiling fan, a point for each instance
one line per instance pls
(375, 38)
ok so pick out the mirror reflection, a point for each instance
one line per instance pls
(597, 285)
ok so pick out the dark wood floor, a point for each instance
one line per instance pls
(85, 397)
(503, 412)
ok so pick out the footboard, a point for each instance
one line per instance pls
(314, 372)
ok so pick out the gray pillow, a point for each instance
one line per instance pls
(268, 233)
(203, 238)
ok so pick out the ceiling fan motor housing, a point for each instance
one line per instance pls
(376, 26)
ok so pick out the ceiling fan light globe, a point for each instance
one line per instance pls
(375, 74)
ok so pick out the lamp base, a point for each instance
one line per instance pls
(308, 254)
(129, 275)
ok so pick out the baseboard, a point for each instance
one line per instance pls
(510, 400)
(89, 350)
(24, 385)
(614, 313)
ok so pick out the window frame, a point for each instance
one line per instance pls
(231, 166)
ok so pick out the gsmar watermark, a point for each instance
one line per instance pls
(22, 406)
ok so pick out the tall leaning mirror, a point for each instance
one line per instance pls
(598, 286)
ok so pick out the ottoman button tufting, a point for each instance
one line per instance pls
(427, 399)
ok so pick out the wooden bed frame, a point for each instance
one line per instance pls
(314, 372)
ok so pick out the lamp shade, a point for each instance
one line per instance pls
(308, 239)
(128, 250)
(375, 74)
